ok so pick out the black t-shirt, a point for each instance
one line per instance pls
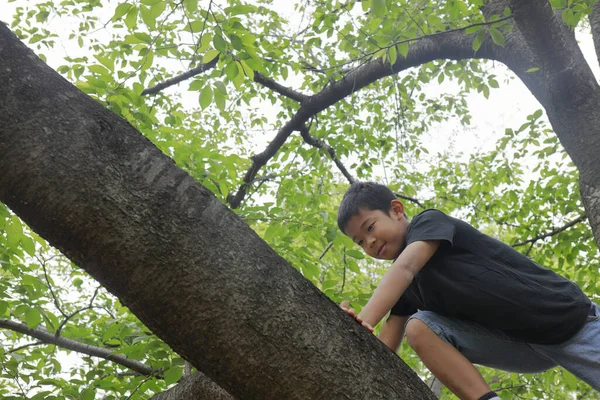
(475, 277)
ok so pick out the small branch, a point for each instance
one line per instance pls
(182, 77)
(69, 344)
(282, 90)
(411, 199)
(138, 386)
(552, 232)
(56, 303)
(325, 251)
(259, 160)
(453, 45)
(25, 346)
(68, 317)
(320, 144)
(344, 272)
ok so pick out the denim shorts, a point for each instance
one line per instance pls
(580, 355)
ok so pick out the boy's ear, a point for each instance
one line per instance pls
(397, 208)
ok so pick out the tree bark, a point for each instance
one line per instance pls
(566, 88)
(185, 264)
(195, 386)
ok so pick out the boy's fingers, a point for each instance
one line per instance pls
(345, 304)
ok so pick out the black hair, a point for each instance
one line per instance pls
(367, 195)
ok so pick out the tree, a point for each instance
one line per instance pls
(348, 59)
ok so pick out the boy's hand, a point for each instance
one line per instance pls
(345, 305)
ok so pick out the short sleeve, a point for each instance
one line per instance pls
(403, 307)
(430, 225)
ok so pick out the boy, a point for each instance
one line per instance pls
(480, 300)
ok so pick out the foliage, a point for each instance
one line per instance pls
(212, 124)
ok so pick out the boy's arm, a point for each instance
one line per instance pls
(392, 331)
(397, 279)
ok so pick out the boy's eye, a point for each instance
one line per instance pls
(360, 242)
(370, 228)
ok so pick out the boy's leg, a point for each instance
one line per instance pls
(580, 354)
(449, 346)
(461, 378)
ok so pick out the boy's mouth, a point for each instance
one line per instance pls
(380, 251)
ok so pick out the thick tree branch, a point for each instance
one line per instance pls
(258, 78)
(180, 78)
(195, 386)
(320, 144)
(455, 45)
(282, 90)
(544, 33)
(552, 232)
(69, 344)
(595, 24)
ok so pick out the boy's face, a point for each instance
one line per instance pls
(380, 235)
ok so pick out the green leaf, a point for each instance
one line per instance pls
(143, 37)
(534, 69)
(473, 29)
(219, 98)
(231, 70)
(219, 85)
(219, 43)
(88, 394)
(173, 374)
(157, 9)
(33, 318)
(131, 18)
(478, 40)
(403, 49)
(121, 10)
(209, 56)
(378, 8)
(236, 42)
(497, 36)
(147, 17)
(355, 253)
(206, 96)
(537, 114)
(392, 55)
(249, 72)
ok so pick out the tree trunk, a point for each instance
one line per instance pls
(186, 265)
(195, 386)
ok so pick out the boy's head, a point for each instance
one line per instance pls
(374, 219)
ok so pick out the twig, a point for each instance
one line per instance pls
(56, 303)
(138, 386)
(24, 347)
(411, 199)
(179, 78)
(325, 251)
(344, 272)
(320, 144)
(50, 338)
(552, 232)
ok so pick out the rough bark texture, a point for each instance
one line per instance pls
(564, 85)
(195, 386)
(186, 265)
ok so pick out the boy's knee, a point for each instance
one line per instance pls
(416, 332)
